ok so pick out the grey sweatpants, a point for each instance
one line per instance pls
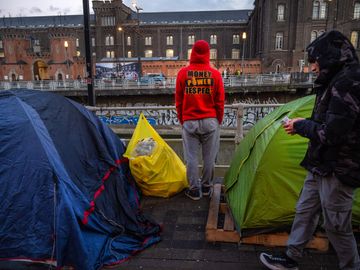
(204, 132)
(334, 199)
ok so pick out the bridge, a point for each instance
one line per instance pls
(290, 80)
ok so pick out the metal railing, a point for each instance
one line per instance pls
(238, 118)
(115, 84)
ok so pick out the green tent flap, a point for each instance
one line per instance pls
(264, 180)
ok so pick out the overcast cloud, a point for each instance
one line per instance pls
(15, 8)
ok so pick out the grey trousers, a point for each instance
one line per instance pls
(205, 133)
(334, 199)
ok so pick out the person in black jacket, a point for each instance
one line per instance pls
(333, 155)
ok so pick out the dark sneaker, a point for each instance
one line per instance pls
(193, 194)
(207, 190)
(278, 262)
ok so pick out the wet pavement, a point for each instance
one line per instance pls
(183, 244)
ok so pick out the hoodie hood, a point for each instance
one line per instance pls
(200, 53)
(332, 51)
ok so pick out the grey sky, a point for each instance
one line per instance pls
(15, 8)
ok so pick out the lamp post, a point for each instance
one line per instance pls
(335, 18)
(121, 30)
(138, 38)
(66, 46)
(243, 53)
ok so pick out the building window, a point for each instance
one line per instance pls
(169, 40)
(279, 41)
(357, 11)
(189, 53)
(129, 54)
(128, 41)
(77, 43)
(78, 53)
(148, 53)
(355, 39)
(319, 10)
(1, 45)
(281, 13)
(93, 42)
(94, 54)
(169, 53)
(191, 39)
(213, 39)
(109, 41)
(2, 54)
(235, 54)
(213, 53)
(110, 54)
(236, 39)
(314, 35)
(148, 41)
(107, 21)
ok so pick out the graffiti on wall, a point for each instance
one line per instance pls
(168, 117)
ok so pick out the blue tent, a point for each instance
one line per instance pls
(66, 193)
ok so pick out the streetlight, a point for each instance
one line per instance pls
(138, 37)
(243, 52)
(66, 45)
(121, 30)
(335, 16)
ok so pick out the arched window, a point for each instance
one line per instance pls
(109, 40)
(281, 12)
(169, 40)
(213, 39)
(314, 35)
(355, 39)
(191, 39)
(236, 39)
(357, 11)
(148, 41)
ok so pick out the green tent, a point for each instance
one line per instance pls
(264, 180)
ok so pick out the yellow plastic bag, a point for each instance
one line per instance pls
(161, 173)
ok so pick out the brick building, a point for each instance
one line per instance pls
(278, 31)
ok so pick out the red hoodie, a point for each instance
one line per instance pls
(199, 87)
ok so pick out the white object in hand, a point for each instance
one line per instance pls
(285, 120)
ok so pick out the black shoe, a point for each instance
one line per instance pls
(207, 190)
(278, 262)
(193, 194)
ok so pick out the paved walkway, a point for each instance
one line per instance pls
(183, 244)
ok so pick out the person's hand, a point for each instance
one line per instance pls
(289, 125)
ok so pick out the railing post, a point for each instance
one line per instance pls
(239, 124)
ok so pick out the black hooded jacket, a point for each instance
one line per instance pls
(334, 127)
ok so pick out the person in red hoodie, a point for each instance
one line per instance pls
(199, 100)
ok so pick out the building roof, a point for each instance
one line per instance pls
(43, 21)
(184, 17)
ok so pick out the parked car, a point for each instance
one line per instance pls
(153, 79)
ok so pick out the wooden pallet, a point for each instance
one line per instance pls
(220, 228)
